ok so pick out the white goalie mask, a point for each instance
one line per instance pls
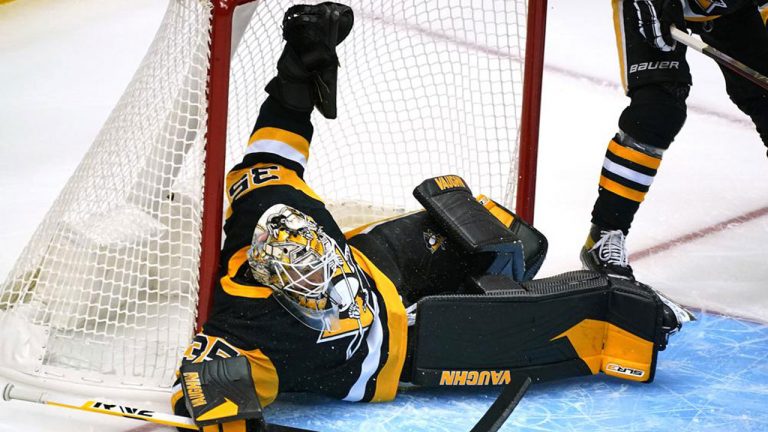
(292, 255)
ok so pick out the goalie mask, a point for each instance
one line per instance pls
(304, 267)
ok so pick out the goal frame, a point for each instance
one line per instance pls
(216, 135)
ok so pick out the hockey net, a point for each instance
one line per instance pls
(106, 292)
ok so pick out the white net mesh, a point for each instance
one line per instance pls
(105, 293)
(426, 88)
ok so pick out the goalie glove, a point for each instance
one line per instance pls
(654, 18)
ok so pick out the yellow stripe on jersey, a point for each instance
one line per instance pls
(388, 378)
(239, 290)
(243, 181)
(298, 142)
(269, 140)
(175, 399)
(264, 376)
(633, 155)
(618, 28)
(621, 190)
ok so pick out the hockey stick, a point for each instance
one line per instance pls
(503, 406)
(724, 59)
(11, 392)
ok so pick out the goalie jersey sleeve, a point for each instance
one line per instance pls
(362, 360)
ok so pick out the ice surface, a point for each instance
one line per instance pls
(64, 64)
(711, 378)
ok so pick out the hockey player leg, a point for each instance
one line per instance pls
(575, 324)
(647, 127)
(743, 36)
(307, 68)
(657, 82)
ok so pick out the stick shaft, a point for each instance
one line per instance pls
(11, 392)
(720, 57)
(503, 406)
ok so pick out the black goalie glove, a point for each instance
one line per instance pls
(654, 18)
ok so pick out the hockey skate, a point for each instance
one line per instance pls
(605, 252)
(307, 68)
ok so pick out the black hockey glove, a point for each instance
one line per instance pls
(654, 18)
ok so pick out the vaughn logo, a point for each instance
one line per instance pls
(638, 67)
(474, 377)
(617, 368)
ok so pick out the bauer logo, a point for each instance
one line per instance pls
(617, 368)
(471, 378)
(639, 67)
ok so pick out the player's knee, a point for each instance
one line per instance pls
(656, 114)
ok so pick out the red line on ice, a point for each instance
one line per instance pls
(687, 238)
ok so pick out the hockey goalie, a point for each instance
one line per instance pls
(442, 296)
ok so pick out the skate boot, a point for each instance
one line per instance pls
(605, 252)
(307, 68)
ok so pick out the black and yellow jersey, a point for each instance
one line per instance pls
(363, 358)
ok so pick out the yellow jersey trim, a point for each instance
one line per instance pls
(388, 377)
(244, 181)
(239, 290)
(176, 397)
(264, 376)
(296, 141)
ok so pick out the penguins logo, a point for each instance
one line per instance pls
(433, 241)
(709, 5)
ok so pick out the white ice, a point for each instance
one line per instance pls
(64, 64)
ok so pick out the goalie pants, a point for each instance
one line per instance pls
(658, 83)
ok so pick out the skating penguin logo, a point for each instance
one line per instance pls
(708, 5)
(433, 241)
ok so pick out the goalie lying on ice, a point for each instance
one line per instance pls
(438, 297)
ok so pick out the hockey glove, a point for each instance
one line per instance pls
(654, 18)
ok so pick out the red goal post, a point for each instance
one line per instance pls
(120, 272)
